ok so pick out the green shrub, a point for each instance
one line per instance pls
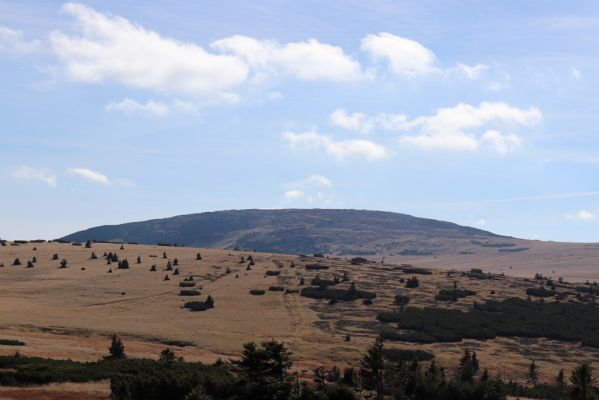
(316, 267)
(453, 294)
(189, 293)
(397, 355)
(508, 318)
(337, 294)
(540, 292)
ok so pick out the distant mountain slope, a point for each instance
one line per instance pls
(295, 231)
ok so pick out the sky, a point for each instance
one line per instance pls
(483, 113)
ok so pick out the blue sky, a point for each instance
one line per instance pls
(477, 112)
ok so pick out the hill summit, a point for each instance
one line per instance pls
(293, 231)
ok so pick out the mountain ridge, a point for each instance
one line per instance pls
(329, 231)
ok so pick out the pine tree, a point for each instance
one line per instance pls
(466, 368)
(117, 348)
(209, 302)
(533, 373)
(485, 375)
(373, 369)
(167, 356)
(560, 380)
(582, 382)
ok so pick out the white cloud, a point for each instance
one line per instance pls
(309, 60)
(13, 42)
(110, 48)
(339, 149)
(311, 190)
(576, 74)
(582, 216)
(501, 143)
(130, 106)
(319, 180)
(90, 175)
(473, 72)
(452, 128)
(353, 122)
(481, 222)
(26, 173)
(406, 57)
(152, 107)
(292, 195)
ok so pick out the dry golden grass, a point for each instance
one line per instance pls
(71, 313)
(59, 391)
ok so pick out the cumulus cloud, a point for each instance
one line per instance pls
(292, 195)
(582, 216)
(405, 57)
(313, 189)
(319, 180)
(13, 42)
(473, 72)
(576, 74)
(130, 106)
(453, 128)
(152, 107)
(353, 122)
(111, 48)
(339, 149)
(90, 175)
(27, 173)
(309, 60)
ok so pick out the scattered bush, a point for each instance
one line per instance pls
(453, 294)
(257, 292)
(417, 271)
(540, 292)
(316, 267)
(11, 342)
(189, 292)
(273, 273)
(397, 355)
(16, 262)
(412, 283)
(276, 289)
(338, 294)
(401, 300)
(508, 318)
(200, 305)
